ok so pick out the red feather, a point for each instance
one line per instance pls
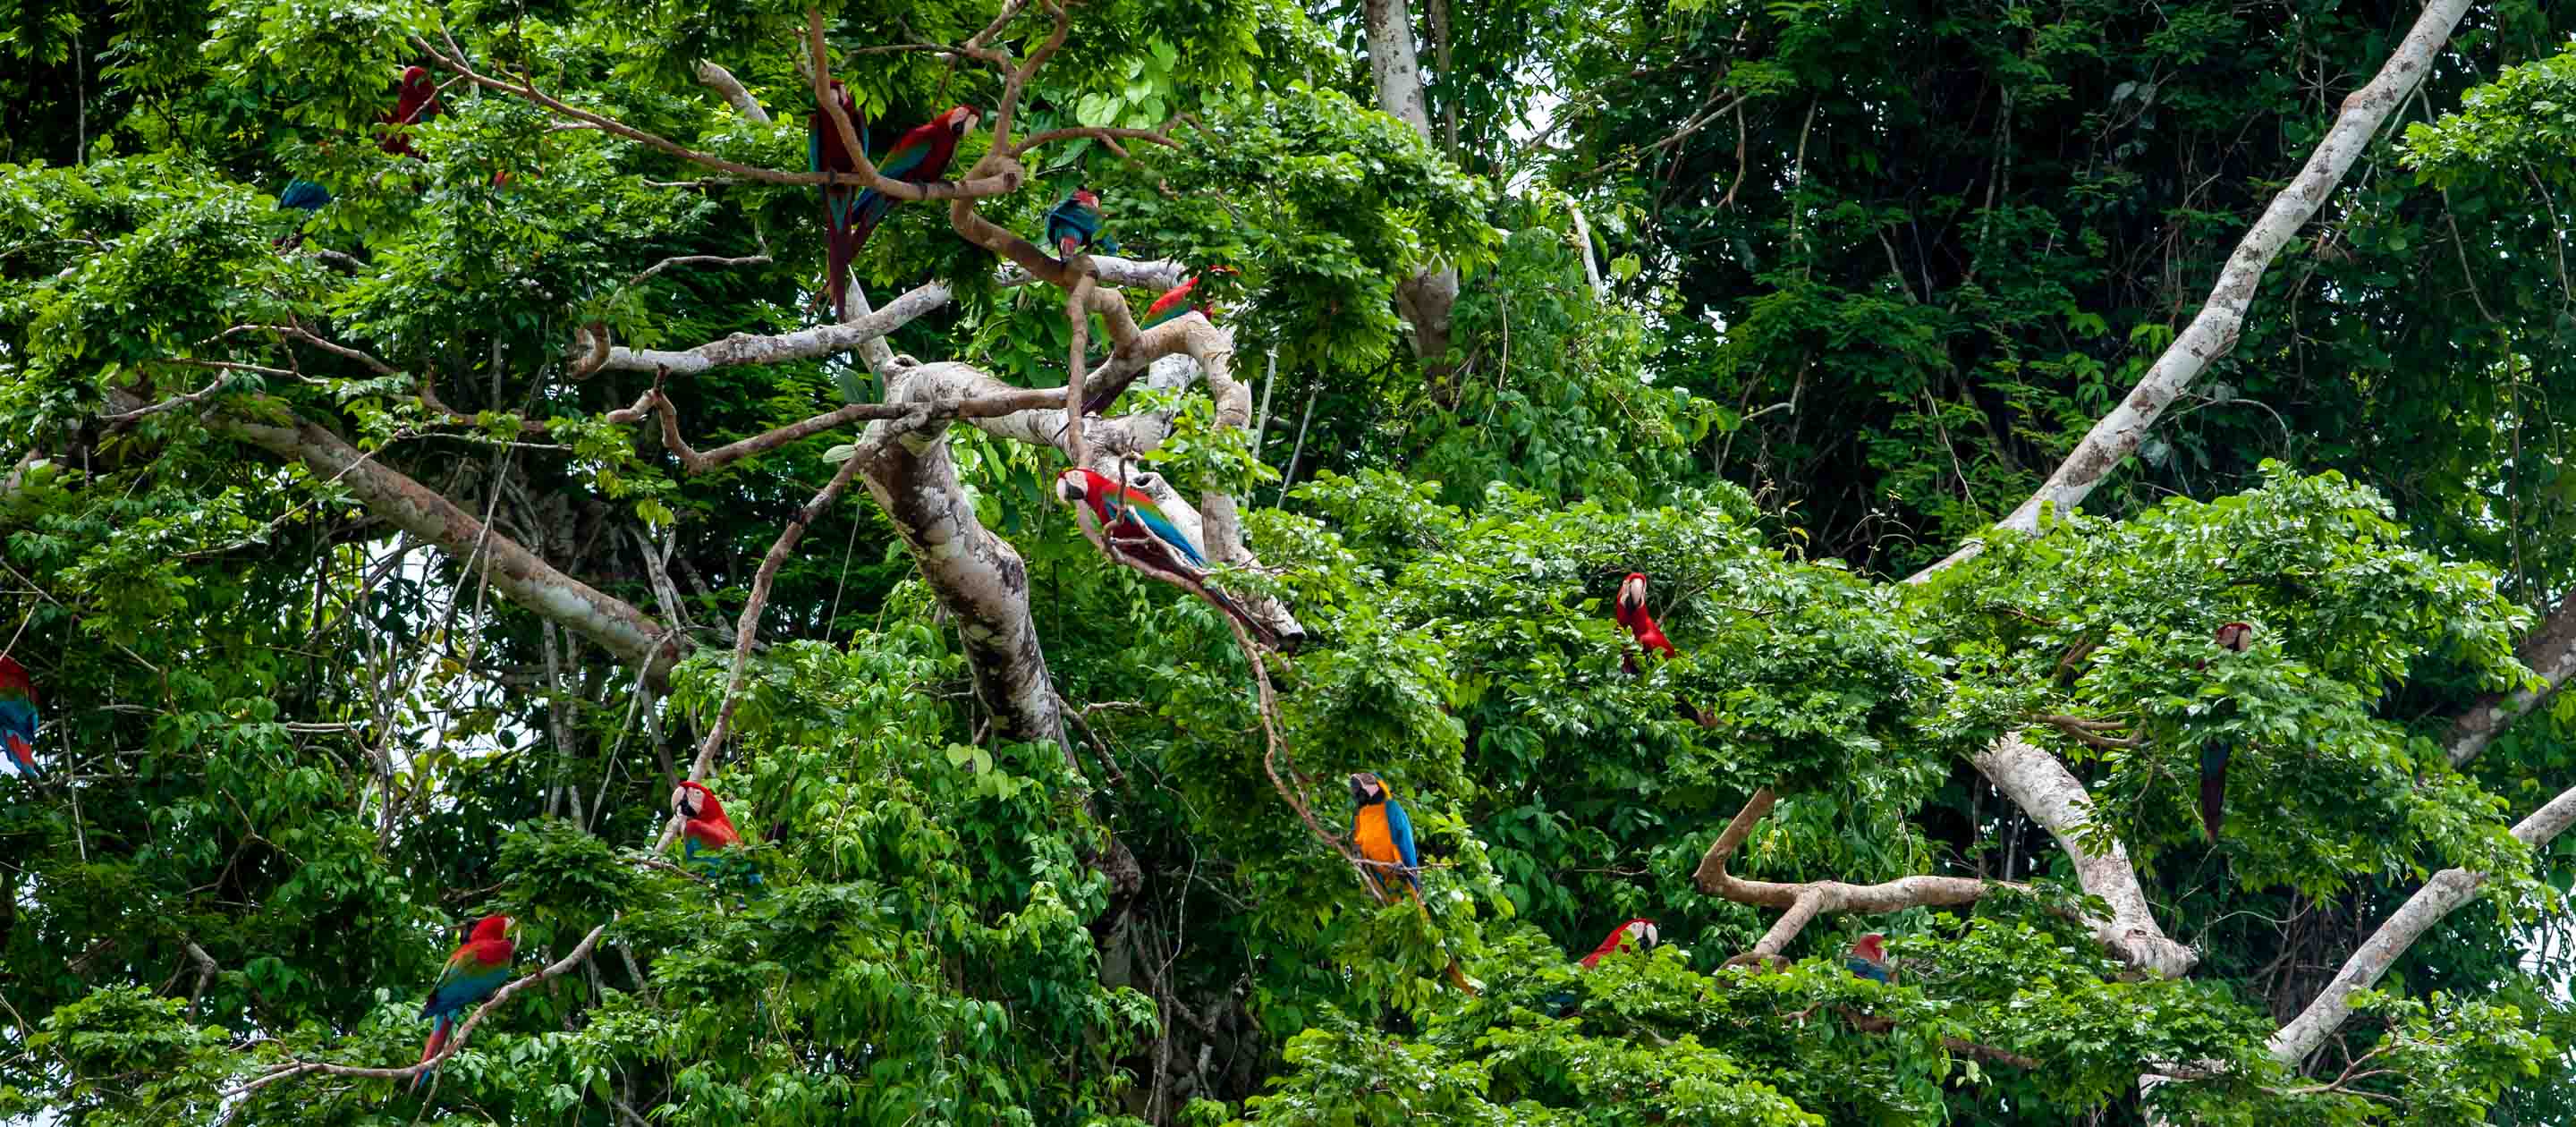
(413, 102)
(1618, 936)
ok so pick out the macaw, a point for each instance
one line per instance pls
(920, 156)
(2235, 637)
(304, 195)
(1173, 303)
(1384, 835)
(824, 152)
(1125, 515)
(415, 99)
(479, 967)
(1638, 933)
(1868, 959)
(1630, 611)
(705, 830)
(17, 719)
(1074, 222)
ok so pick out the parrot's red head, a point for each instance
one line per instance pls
(960, 119)
(2237, 636)
(1872, 947)
(1366, 789)
(414, 76)
(692, 800)
(1084, 486)
(1642, 933)
(493, 927)
(1632, 597)
(14, 676)
(1084, 197)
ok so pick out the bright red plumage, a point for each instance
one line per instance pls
(1619, 936)
(709, 828)
(415, 96)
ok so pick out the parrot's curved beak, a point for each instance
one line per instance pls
(1632, 593)
(1068, 488)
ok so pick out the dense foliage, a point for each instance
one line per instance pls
(1772, 303)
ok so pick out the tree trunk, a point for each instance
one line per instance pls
(1424, 300)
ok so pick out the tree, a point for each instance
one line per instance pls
(383, 566)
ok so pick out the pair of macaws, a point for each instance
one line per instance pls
(17, 720)
(415, 100)
(851, 212)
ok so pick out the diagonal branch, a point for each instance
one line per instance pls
(2214, 330)
(2550, 651)
(464, 1032)
(2054, 798)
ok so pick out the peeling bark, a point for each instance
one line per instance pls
(2214, 330)
(2054, 798)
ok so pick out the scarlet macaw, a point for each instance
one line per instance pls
(416, 98)
(824, 152)
(1868, 959)
(1126, 515)
(17, 719)
(1638, 933)
(704, 829)
(1074, 222)
(2236, 637)
(1384, 835)
(479, 967)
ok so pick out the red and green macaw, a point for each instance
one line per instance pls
(1630, 611)
(920, 156)
(1638, 934)
(17, 720)
(704, 829)
(1128, 517)
(479, 967)
(1868, 959)
(1074, 223)
(824, 152)
(1173, 303)
(2234, 637)
(1384, 834)
(415, 99)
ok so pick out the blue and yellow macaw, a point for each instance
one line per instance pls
(1384, 834)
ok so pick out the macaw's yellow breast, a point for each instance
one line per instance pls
(1369, 830)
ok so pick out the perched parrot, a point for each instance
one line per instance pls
(1074, 223)
(304, 195)
(479, 967)
(1384, 834)
(824, 152)
(415, 99)
(706, 831)
(920, 156)
(1125, 514)
(1637, 933)
(1630, 611)
(17, 719)
(1173, 303)
(1868, 959)
(2235, 637)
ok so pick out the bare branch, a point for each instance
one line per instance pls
(725, 83)
(696, 260)
(1804, 901)
(2550, 651)
(2214, 330)
(2054, 798)
(464, 1032)
(804, 344)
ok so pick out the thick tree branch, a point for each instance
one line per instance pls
(1426, 299)
(1802, 902)
(519, 574)
(2214, 330)
(803, 344)
(723, 82)
(2550, 651)
(2055, 799)
(2440, 896)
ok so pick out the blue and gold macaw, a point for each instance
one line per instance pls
(1384, 834)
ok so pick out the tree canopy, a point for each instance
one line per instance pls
(2097, 469)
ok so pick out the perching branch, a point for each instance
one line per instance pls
(1804, 901)
(723, 82)
(2054, 798)
(464, 1032)
(2550, 651)
(2214, 330)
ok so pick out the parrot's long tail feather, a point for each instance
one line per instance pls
(2213, 790)
(437, 1041)
(1458, 978)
